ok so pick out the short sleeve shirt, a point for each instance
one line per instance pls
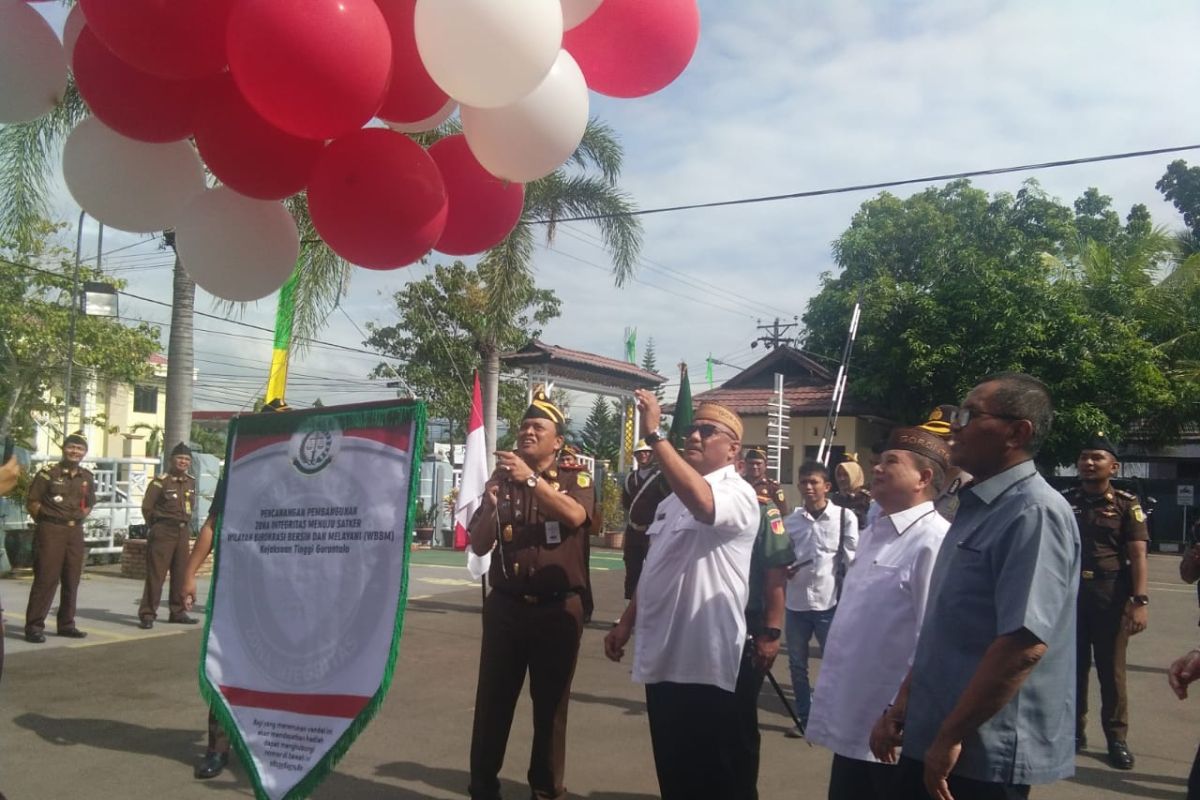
(1010, 561)
(65, 496)
(772, 549)
(1107, 522)
(691, 599)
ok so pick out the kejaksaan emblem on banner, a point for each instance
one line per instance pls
(309, 584)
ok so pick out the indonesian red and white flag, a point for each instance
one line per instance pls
(470, 488)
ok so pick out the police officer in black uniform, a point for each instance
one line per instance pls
(537, 518)
(644, 488)
(1113, 602)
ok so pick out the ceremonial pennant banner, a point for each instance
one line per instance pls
(309, 584)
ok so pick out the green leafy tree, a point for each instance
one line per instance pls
(210, 441)
(957, 284)
(35, 320)
(650, 363)
(1180, 184)
(442, 334)
(601, 434)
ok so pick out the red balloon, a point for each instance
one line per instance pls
(314, 68)
(169, 38)
(248, 154)
(131, 102)
(482, 209)
(412, 94)
(632, 48)
(377, 199)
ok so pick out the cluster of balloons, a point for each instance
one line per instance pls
(276, 97)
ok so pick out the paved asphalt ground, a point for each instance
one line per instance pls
(118, 715)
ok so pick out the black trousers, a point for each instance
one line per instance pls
(749, 741)
(1193, 785)
(853, 779)
(910, 785)
(693, 730)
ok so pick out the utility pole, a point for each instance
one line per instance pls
(774, 333)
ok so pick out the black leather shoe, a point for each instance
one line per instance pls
(73, 633)
(146, 624)
(1081, 743)
(212, 765)
(1119, 756)
(184, 620)
(35, 638)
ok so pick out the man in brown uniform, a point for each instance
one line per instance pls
(768, 491)
(644, 488)
(167, 507)
(1112, 591)
(60, 498)
(533, 619)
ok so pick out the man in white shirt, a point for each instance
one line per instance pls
(824, 537)
(872, 639)
(688, 610)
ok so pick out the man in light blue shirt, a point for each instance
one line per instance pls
(989, 705)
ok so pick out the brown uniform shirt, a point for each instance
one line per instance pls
(170, 498)
(1107, 523)
(770, 491)
(64, 497)
(536, 555)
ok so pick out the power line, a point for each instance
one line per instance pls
(862, 187)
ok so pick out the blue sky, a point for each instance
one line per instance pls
(785, 96)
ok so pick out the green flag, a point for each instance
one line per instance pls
(631, 345)
(682, 419)
(708, 371)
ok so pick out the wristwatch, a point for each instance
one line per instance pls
(532, 480)
(653, 437)
(1140, 599)
(771, 634)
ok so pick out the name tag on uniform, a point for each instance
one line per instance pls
(553, 534)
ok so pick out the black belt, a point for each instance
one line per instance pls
(168, 522)
(537, 599)
(1099, 574)
(66, 523)
(633, 526)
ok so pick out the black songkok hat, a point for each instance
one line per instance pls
(75, 438)
(542, 408)
(1100, 442)
(754, 454)
(181, 449)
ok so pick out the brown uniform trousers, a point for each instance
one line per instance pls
(167, 548)
(58, 553)
(1107, 523)
(218, 742)
(532, 622)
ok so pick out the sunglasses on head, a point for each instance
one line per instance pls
(704, 429)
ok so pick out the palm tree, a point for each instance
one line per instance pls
(29, 153)
(585, 187)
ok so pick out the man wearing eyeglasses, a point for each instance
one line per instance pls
(988, 707)
(688, 608)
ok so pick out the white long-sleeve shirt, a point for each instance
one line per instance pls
(825, 542)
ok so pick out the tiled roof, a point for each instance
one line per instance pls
(802, 400)
(157, 359)
(578, 365)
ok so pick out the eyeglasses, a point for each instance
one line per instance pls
(706, 430)
(962, 417)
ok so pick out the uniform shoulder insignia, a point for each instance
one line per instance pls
(156, 482)
(1138, 513)
(776, 521)
(583, 480)
(45, 470)
(1125, 494)
(779, 494)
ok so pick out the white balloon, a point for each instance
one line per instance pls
(576, 11)
(72, 28)
(537, 134)
(237, 248)
(126, 184)
(429, 123)
(488, 53)
(33, 64)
